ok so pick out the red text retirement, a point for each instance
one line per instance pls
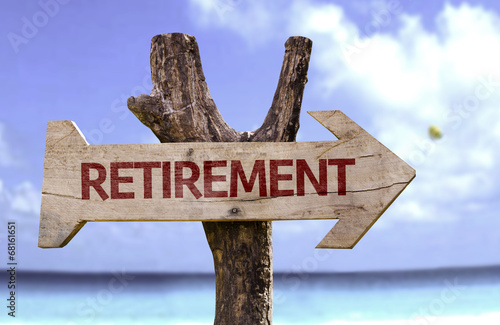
(186, 174)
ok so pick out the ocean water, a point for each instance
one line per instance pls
(449, 296)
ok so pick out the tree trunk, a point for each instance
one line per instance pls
(180, 109)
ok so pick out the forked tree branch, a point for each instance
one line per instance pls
(180, 109)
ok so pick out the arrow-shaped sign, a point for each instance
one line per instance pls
(354, 179)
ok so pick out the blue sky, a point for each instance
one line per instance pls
(394, 67)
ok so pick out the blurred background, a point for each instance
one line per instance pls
(421, 77)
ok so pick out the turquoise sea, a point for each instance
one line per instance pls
(447, 296)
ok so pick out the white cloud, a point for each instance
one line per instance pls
(247, 18)
(418, 78)
(414, 78)
(7, 158)
(26, 199)
(5, 196)
(23, 199)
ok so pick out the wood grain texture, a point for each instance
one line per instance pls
(372, 183)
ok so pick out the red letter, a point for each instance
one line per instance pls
(209, 178)
(341, 172)
(116, 180)
(148, 181)
(276, 177)
(166, 180)
(237, 170)
(189, 182)
(303, 169)
(95, 183)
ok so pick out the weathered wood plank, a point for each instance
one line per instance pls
(292, 181)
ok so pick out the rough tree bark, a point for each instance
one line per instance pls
(180, 109)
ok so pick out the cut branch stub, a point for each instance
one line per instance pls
(180, 108)
(282, 120)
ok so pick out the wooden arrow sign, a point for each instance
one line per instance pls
(354, 179)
